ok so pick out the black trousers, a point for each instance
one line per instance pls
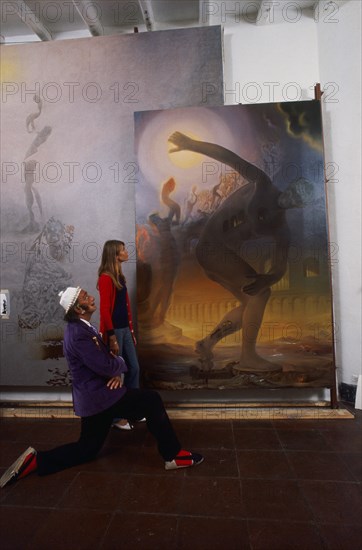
(134, 405)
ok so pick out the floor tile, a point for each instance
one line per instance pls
(114, 459)
(212, 534)
(341, 537)
(80, 529)
(35, 491)
(317, 423)
(318, 465)
(54, 432)
(334, 502)
(264, 464)
(13, 428)
(340, 441)
(149, 462)
(256, 439)
(17, 534)
(303, 440)
(302, 424)
(212, 497)
(282, 535)
(253, 424)
(276, 499)
(346, 425)
(127, 439)
(141, 532)
(95, 490)
(211, 435)
(217, 463)
(149, 494)
(10, 451)
(353, 462)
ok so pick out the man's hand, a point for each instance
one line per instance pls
(180, 141)
(114, 383)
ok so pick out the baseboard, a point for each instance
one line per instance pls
(195, 411)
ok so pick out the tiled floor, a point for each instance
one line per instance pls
(282, 485)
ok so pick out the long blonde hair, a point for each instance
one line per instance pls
(109, 264)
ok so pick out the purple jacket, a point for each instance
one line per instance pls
(91, 366)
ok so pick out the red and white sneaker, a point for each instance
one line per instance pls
(184, 459)
(24, 465)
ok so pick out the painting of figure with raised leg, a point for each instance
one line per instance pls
(256, 210)
(249, 298)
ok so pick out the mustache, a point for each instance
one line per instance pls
(83, 309)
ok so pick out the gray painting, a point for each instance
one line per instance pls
(69, 170)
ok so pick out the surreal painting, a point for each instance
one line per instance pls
(68, 171)
(233, 259)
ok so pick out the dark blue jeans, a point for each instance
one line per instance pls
(127, 350)
(134, 405)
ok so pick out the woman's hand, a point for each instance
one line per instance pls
(114, 383)
(113, 345)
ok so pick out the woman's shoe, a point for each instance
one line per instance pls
(120, 425)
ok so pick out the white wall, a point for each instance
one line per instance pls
(295, 56)
(340, 64)
(268, 63)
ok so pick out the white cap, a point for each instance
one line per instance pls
(68, 297)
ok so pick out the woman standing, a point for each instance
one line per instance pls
(115, 313)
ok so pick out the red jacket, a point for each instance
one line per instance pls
(107, 294)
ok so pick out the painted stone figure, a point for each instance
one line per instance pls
(256, 210)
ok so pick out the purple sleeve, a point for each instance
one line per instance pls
(92, 354)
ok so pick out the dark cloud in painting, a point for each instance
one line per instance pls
(303, 123)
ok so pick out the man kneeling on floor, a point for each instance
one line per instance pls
(98, 398)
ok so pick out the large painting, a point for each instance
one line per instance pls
(232, 248)
(69, 171)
